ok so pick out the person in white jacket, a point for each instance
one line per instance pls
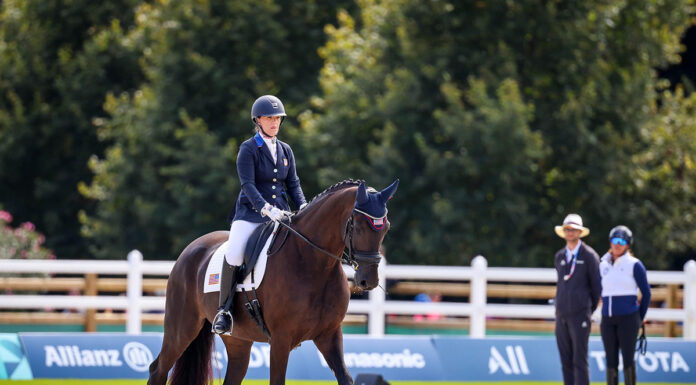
(622, 275)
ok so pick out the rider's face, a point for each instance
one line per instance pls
(269, 124)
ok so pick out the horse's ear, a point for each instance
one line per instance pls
(361, 198)
(388, 192)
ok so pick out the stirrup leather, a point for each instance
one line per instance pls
(218, 320)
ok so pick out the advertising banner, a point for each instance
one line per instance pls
(82, 355)
(537, 359)
(13, 363)
(414, 358)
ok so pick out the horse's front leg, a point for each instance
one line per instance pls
(330, 344)
(280, 350)
(237, 359)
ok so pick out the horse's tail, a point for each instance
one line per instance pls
(194, 367)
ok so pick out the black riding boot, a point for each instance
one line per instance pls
(222, 324)
(612, 376)
(630, 374)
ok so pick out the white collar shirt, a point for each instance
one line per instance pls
(272, 143)
(569, 253)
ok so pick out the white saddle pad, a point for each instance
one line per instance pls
(212, 272)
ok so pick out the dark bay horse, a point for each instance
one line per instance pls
(304, 292)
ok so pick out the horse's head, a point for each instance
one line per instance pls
(365, 230)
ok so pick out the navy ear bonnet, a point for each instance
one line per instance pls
(374, 204)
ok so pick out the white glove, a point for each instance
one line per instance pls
(303, 205)
(274, 213)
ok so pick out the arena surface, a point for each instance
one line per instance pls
(289, 382)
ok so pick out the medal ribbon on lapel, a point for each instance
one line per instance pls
(572, 266)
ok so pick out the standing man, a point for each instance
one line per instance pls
(577, 295)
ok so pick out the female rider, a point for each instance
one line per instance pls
(266, 169)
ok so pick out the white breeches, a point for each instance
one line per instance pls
(239, 234)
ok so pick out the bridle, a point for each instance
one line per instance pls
(352, 257)
(367, 257)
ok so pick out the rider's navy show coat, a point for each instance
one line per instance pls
(265, 181)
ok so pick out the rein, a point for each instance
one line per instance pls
(353, 257)
(345, 258)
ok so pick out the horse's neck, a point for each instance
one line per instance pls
(326, 225)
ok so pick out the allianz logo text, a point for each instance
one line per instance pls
(136, 355)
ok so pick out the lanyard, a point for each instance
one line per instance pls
(572, 265)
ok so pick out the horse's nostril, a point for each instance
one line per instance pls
(363, 283)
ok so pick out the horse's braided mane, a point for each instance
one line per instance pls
(338, 186)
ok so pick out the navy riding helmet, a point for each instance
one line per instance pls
(622, 232)
(267, 105)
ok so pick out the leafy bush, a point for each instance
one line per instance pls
(21, 242)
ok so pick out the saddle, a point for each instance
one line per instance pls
(253, 248)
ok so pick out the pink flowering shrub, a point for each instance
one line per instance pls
(21, 242)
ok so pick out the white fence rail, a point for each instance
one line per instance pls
(376, 306)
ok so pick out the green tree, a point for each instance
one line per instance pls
(500, 117)
(660, 190)
(169, 172)
(57, 61)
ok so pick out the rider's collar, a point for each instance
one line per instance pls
(259, 139)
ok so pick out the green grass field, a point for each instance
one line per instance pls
(255, 382)
(262, 382)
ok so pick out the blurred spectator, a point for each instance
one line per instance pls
(425, 297)
(77, 292)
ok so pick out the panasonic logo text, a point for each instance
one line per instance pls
(404, 359)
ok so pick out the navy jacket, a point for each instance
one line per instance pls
(265, 181)
(580, 293)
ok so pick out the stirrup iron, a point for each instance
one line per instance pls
(219, 314)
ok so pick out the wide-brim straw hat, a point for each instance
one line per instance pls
(573, 221)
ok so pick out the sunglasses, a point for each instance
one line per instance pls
(619, 241)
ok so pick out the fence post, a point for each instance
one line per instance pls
(91, 314)
(690, 300)
(671, 303)
(478, 297)
(135, 292)
(375, 319)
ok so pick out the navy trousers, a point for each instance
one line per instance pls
(620, 332)
(572, 338)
